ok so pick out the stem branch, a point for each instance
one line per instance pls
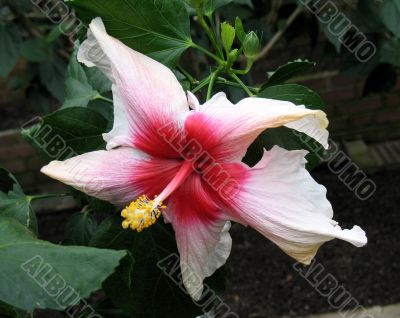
(222, 80)
(242, 85)
(279, 34)
(210, 35)
(48, 196)
(189, 77)
(203, 83)
(103, 98)
(208, 53)
(213, 78)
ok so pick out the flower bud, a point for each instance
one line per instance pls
(232, 56)
(251, 45)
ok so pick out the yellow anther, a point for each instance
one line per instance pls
(141, 214)
(125, 224)
(124, 213)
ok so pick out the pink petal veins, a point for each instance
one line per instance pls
(147, 94)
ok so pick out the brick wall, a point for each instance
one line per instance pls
(375, 117)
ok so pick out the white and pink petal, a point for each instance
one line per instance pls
(118, 176)
(282, 201)
(147, 93)
(228, 130)
(201, 230)
(120, 134)
(107, 175)
(203, 248)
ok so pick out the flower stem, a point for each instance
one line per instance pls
(246, 70)
(203, 83)
(222, 80)
(213, 78)
(48, 196)
(103, 98)
(206, 52)
(189, 77)
(215, 34)
(242, 85)
(278, 35)
(210, 35)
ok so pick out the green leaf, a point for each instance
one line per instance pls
(79, 229)
(23, 5)
(390, 52)
(183, 80)
(241, 34)
(287, 71)
(83, 84)
(7, 181)
(10, 39)
(297, 94)
(134, 287)
(78, 91)
(5, 13)
(285, 137)
(14, 203)
(195, 4)
(254, 153)
(365, 17)
(291, 140)
(67, 132)
(38, 274)
(39, 100)
(21, 81)
(36, 50)
(100, 207)
(105, 109)
(390, 15)
(211, 5)
(97, 79)
(9, 311)
(248, 3)
(157, 28)
(109, 234)
(228, 36)
(52, 76)
(54, 34)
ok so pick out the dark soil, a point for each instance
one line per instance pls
(261, 279)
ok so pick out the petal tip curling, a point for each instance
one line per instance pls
(51, 169)
(355, 236)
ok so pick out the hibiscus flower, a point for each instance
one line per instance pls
(168, 155)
